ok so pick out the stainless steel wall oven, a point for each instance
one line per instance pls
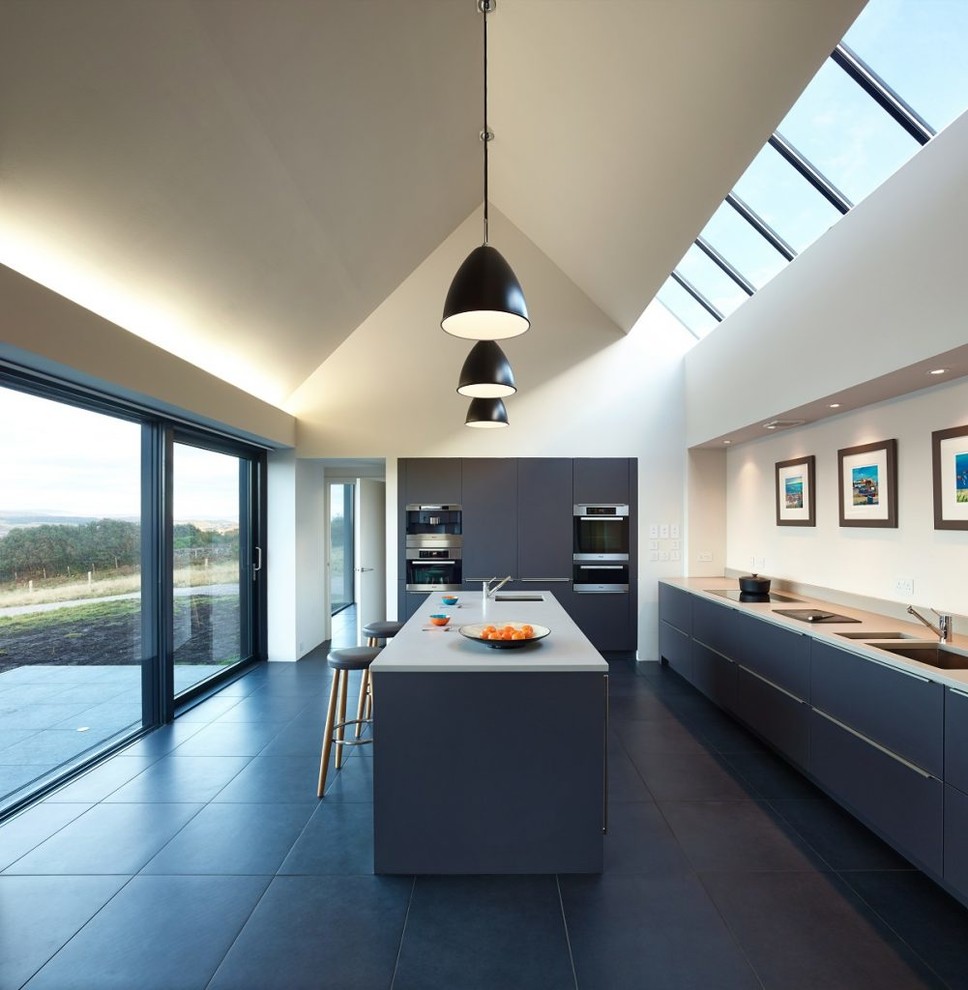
(601, 549)
(433, 567)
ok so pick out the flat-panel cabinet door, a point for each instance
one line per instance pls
(714, 675)
(956, 841)
(716, 626)
(780, 718)
(901, 802)
(898, 709)
(675, 607)
(490, 518)
(545, 519)
(431, 480)
(675, 647)
(956, 738)
(601, 479)
(604, 619)
(780, 655)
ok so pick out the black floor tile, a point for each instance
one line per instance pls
(802, 931)
(107, 839)
(639, 840)
(934, 924)
(40, 914)
(233, 839)
(353, 782)
(338, 839)
(659, 933)
(103, 780)
(289, 779)
(175, 778)
(736, 836)
(769, 776)
(624, 782)
(310, 933)
(656, 737)
(300, 737)
(158, 933)
(838, 838)
(485, 932)
(30, 828)
(224, 738)
(689, 776)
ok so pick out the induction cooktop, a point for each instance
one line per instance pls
(745, 596)
(813, 615)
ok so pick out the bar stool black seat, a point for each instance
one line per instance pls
(384, 629)
(342, 662)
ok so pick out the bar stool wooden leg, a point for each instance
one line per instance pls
(328, 735)
(344, 676)
(364, 696)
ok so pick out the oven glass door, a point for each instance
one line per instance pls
(602, 535)
(434, 573)
(601, 579)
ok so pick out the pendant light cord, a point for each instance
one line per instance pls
(485, 6)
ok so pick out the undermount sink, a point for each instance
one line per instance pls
(877, 635)
(933, 654)
(518, 596)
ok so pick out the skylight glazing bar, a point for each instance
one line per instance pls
(817, 179)
(761, 226)
(698, 296)
(714, 256)
(882, 93)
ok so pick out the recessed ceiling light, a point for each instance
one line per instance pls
(834, 405)
(727, 441)
(937, 371)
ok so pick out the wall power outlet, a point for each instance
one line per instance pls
(904, 586)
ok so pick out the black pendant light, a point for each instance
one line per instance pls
(485, 300)
(486, 373)
(486, 414)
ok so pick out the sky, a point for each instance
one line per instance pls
(59, 459)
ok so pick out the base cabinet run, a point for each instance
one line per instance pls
(890, 745)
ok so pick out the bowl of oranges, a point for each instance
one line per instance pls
(504, 635)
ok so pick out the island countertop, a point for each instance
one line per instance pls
(420, 647)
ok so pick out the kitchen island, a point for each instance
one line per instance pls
(489, 760)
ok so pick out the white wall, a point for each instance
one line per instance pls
(855, 560)
(881, 290)
(585, 389)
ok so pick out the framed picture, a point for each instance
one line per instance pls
(949, 455)
(868, 484)
(794, 492)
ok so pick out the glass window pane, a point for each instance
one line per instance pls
(70, 586)
(711, 281)
(845, 134)
(918, 48)
(206, 564)
(745, 249)
(785, 200)
(685, 309)
(341, 546)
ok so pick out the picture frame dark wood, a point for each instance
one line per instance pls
(949, 472)
(867, 484)
(795, 491)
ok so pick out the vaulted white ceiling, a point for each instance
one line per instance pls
(244, 181)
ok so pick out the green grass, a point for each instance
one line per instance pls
(88, 612)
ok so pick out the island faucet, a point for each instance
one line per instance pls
(943, 628)
(489, 591)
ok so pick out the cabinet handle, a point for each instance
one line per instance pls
(870, 742)
(605, 762)
(964, 694)
(891, 667)
(772, 684)
(543, 580)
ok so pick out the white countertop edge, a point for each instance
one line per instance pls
(827, 633)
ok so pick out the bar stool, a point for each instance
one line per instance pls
(342, 662)
(375, 632)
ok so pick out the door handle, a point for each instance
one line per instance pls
(257, 566)
(362, 570)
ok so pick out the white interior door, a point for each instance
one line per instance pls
(370, 539)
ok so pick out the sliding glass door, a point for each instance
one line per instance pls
(130, 573)
(70, 585)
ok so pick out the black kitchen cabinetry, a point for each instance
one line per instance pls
(898, 800)
(714, 675)
(602, 479)
(490, 519)
(956, 738)
(605, 619)
(675, 629)
(716, 626)
(777, 655)
(545, 503)
(776, 715)
(893, 708)
(431, 480)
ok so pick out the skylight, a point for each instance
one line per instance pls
(897, 77)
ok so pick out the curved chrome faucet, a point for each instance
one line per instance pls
(489, 592)
(942, 629)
